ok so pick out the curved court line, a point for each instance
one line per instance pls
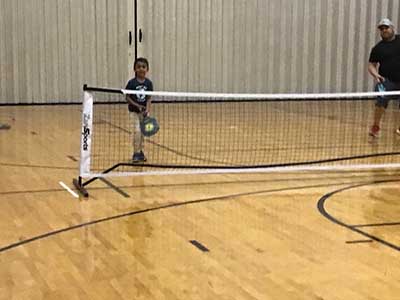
(206, 183)
(322, 210)
(167, 206)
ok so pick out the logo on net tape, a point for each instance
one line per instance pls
(149, 126)
(86, 132)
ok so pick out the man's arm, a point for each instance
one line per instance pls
(373, 70)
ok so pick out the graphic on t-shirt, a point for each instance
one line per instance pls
(141, 97)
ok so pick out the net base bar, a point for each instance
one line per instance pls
(80, 184)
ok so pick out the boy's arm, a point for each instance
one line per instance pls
(148, 103)
(148, 106)
(131, 101)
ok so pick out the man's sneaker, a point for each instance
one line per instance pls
(398, 131)
(374, 131)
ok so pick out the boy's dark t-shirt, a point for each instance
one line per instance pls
(135, 84)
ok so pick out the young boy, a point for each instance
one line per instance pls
(139, 105)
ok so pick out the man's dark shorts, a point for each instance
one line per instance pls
(389, 86)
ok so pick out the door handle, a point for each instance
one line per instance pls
(140, 35)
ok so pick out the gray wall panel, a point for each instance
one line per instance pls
(50, 48)
(262, 45)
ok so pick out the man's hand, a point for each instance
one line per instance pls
(379, 78)
(374, 71)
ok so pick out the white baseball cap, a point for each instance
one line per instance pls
(385, 22)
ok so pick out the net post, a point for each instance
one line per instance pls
(86, 134)
(86, 140)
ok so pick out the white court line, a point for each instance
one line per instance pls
(68, 189)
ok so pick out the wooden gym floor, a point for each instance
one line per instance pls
(308, 235)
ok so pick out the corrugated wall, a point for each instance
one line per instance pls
(50, 48)
(261, 45)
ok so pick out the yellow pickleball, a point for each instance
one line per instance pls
(149, 126)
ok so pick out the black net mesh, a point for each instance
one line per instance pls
(208, 132)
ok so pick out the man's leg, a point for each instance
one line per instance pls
(380, 107)
(378, 113)
(398, 89)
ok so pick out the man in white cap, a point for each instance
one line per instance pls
(384, 66)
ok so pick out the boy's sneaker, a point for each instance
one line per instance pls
(398, 131)
(142, 157)
(374, 131)
(138, 157)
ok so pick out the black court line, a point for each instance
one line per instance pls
(36, 166)
(322, 210)
(212, 183)
(376, 225)
(44, 104)
(359, 241)
(198, 201)
(157, 208)
(199, 246)
(72, 158)
(33, 191)
(115, 188)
